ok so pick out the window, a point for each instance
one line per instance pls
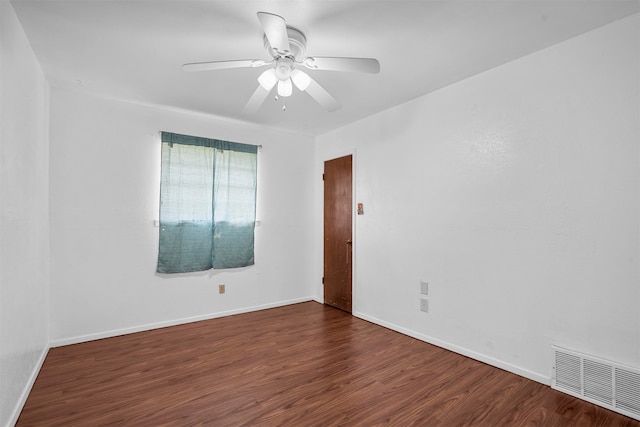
(207, 204)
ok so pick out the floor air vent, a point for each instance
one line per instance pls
(604, 383)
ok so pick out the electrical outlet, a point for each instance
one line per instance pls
(424, 288)
(221, 289)
(424, 305)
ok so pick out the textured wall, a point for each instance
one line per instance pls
(515, 194)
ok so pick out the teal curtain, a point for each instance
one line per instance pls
(207, 204)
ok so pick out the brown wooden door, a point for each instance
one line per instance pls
(337, 232)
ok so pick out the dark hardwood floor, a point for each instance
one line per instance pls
(299, 365)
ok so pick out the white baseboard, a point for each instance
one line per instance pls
(150, 326)
(13, 419)
(543, 379)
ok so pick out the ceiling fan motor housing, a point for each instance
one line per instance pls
(297, 44)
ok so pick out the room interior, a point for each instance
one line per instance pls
(496, 155)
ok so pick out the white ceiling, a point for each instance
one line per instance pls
(134, 49)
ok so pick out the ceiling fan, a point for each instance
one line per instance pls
(287, 46)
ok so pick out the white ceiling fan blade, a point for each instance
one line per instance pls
(256, 100)
(221, 65)
(321, 96)
(275, 28)
(359, 65)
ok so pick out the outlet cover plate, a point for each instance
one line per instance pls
(424, 305)
(424, 288)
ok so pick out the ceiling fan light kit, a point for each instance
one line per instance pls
(268, 79)
(300, 79)
(285, 88)
(287, 46)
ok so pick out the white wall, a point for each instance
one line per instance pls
(24, 216)
(516, 195)
(105, 175)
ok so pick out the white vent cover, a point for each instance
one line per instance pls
(598, 381)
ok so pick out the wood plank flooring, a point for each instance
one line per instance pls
(300, 365)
